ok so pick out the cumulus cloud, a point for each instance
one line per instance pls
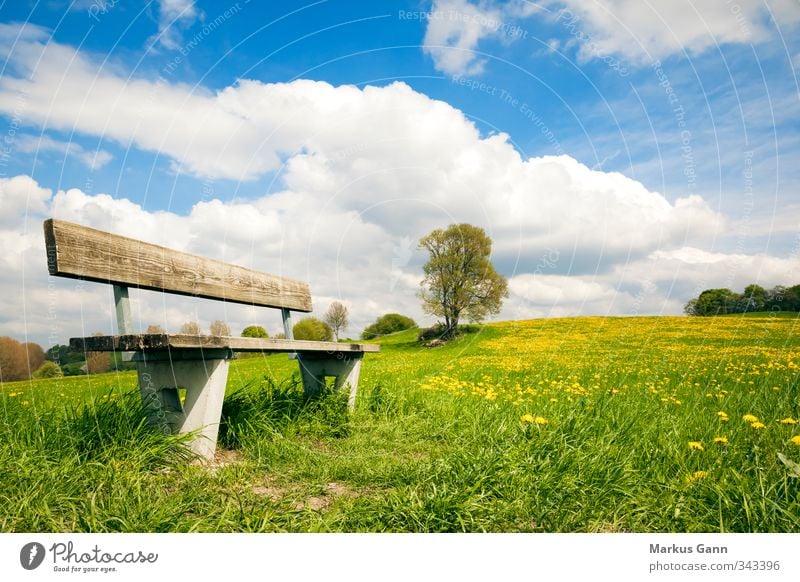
(639, 31)
(646, 31)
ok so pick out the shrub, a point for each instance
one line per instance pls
(255, 331)
(312, 329)
(386, 324)
(48, 370)
(437, 331)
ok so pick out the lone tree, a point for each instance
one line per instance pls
(459, 277)
(336, 318)
(219, 328)
(190, 328)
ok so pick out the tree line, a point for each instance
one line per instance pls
(754, 298)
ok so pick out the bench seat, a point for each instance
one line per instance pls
(176, 341)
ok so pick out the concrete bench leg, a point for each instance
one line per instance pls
(345, 368)
(204, 381)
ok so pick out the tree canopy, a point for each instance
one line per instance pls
(460, 280)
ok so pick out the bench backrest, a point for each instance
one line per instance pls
(80, 252)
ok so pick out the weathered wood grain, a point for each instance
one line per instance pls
(80, 252)
(164, 341)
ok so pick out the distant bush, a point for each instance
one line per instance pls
(434, 332)
(386, 324)
(439, 331)
(74, 368)
(255, 331)
(312, 329)
(48, 370)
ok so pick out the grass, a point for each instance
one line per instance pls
(442, 439)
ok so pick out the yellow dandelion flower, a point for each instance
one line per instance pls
(540, 420)
(25, 403)
(721, 440)
(795, 440)
(757, 425)
(527, 418)
(750, 418)
(696, 476)
(697, 445)
(788, 420)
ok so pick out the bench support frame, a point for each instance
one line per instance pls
(203, 374)
(344, 367)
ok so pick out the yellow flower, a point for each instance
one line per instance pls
(795, 440)
(749, 418)
(12, 394)
(696, 476)
(540, 420)
(697, 445)
(722, 416)
(527, 418)
(757, 425)
(721, 440)
(788, 420)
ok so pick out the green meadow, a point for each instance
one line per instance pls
(647, 424)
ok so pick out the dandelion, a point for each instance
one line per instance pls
(758, 425)
(527, 418)
(795, 440)
(539, 420)
(722, 416)
(788, 420)
(696, 476)
(750, 418)
(12, 394)
(721, 440)
(697, 445)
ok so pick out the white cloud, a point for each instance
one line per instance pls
(20, 196)
(639, 31)
(94, 159)
(455, 27)
(174, 15)
(646, 31)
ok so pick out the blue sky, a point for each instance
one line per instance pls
(651, 148)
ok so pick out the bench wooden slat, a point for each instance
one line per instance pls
(163, 341)
(80, 252)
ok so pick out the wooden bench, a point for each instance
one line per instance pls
(167, 363)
